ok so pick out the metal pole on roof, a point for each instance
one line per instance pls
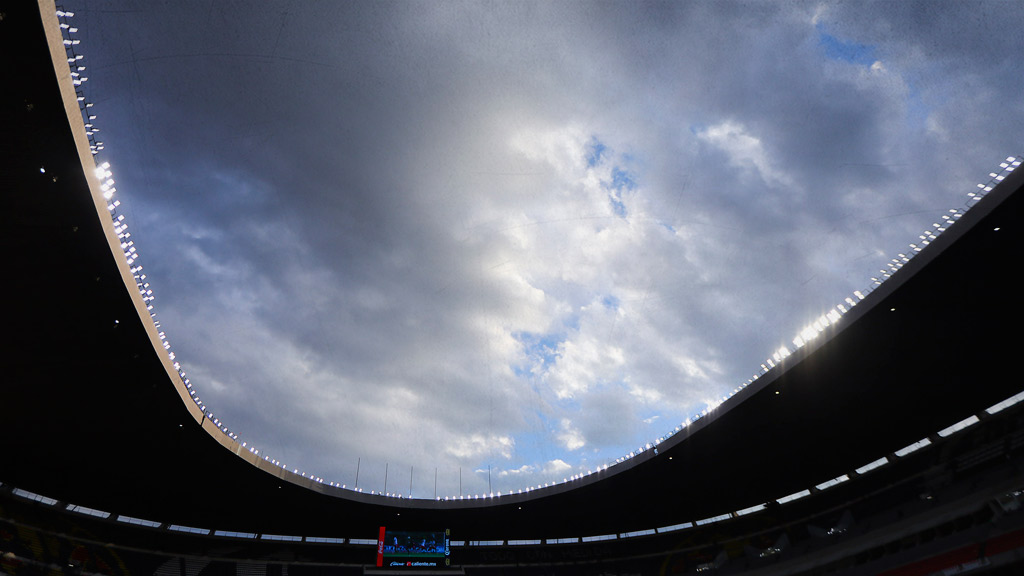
(357, 472)
(385, 477)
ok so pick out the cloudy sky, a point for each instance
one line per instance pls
(523, 237)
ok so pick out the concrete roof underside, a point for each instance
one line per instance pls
(91, 412)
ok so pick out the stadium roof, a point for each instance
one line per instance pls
(94, 412)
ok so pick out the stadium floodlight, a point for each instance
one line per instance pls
(970, 421)
(1005, 403)
(794, 496)
(872, 465)
(750, 510)
(830, 483)
(913, 447)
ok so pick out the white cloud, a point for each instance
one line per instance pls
(583, 364)
(745, 151)
(522, 471)
(477, 445)
(556, 467)
(570, 437)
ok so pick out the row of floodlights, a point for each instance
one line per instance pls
(804, 336)
(833, 316)
(104, 175)
(874, 465)
(948, 219)
(77, 70)
(812, 330)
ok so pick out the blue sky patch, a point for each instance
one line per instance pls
(622, 181)
(851, 52)
(595, 152)
(539, 349)
(572, 321)
(617, 205)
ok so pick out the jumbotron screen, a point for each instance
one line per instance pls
(405, 549)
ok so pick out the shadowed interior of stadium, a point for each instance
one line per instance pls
(891, 443)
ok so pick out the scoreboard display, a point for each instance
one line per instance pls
(419, 549)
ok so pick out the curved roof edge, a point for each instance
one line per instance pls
(70, 97)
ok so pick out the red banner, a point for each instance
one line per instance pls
(380, 548)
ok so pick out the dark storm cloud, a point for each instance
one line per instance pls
(360, 219)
